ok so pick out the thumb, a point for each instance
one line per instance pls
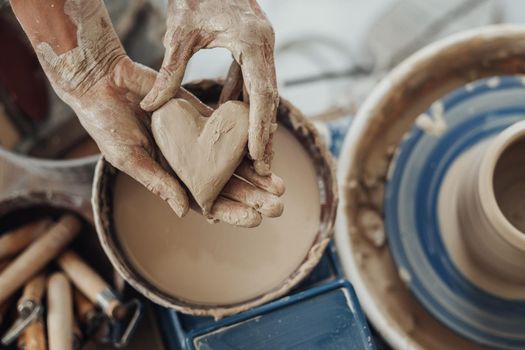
(168, 81)
(138, 163)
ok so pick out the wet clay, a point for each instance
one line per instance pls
(203, 152)
(221, 264)
(509, 184)
(453, 238)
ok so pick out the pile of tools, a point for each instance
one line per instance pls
(62, 302)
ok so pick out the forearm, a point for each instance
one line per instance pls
(45, 21)
(73, 39)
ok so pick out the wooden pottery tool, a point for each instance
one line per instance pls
(29, 308)
(38, 254)
(59, 312)
(89, 316)
(14, 241)
(33, 337)
(5, 305)
(124, 316)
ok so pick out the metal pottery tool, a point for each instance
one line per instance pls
(37, 255)
(93, 323)
(33, 337)
(123, 316)
(89, 316)
(59, 312)
(29, 308)
(16, 240)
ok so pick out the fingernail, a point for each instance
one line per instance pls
(179, 209)
(251, 219)
(278, 187)
(262, 168)
(272, 208)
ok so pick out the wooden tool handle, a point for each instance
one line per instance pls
(83, 305)
(85, 279)
(14, 241)
(33, 337)
(59, 313)
(34, 289)
(37, 255)
(4, 305)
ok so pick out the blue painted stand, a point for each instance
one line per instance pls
(324, 317)
(320, 313)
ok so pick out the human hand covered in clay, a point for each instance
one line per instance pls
(90, 71)
(240, 26)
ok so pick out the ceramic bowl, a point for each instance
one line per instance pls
(28, 98)
(289, 118)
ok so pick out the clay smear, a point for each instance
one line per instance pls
(96, 45)
(509, 184)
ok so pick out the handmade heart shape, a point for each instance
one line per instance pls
(203, 152)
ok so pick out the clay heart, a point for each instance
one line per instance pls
(203, 152)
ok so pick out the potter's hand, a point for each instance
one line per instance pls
(122, 131)
(88, 68)
(110, 112)
(241, 27)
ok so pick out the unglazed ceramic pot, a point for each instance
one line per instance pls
(369, 151)
(491, 205)
(37, 110)
(61, 182)
(103, 198)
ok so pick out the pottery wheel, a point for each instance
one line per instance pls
(421, 218)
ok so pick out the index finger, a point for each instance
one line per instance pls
(258, 70)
